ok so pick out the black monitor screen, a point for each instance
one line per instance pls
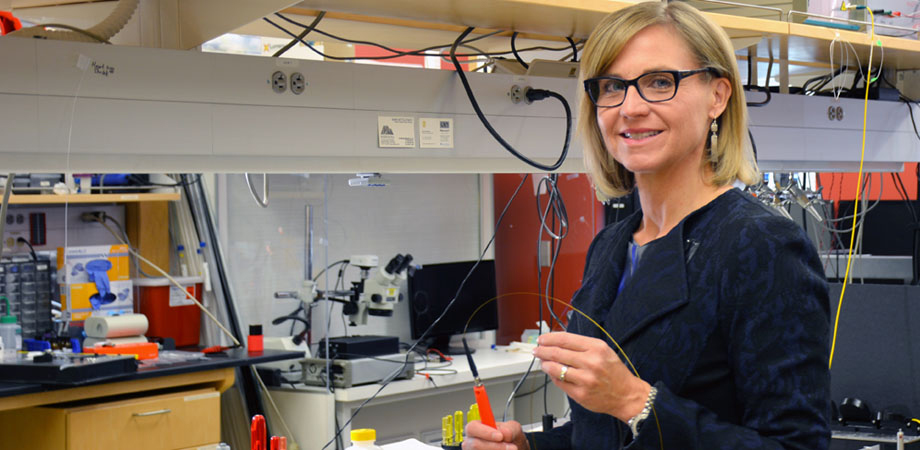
(433, 286)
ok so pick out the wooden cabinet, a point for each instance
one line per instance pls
(174, 420)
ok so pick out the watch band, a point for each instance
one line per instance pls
(639, 418)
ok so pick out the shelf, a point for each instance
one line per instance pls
(34, 199)
(806, 43)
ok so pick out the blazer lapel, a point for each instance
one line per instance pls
(658, 286)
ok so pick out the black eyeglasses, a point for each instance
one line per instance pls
(659, 86)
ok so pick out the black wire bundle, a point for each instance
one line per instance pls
(532, 95)
(822, 79)
(395, 53)
(753, 86)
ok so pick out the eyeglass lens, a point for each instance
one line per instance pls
(652, 86)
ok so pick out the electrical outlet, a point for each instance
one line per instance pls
(279, 82)
(298, 83)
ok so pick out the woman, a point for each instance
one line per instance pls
(720, 304)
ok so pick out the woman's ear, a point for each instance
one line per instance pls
(721, 92)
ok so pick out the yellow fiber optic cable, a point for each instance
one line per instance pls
(862, 157)
(615, 343)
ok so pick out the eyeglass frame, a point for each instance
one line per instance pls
(677, 74)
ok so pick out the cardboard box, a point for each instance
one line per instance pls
(77, 289)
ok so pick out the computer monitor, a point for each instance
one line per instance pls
(433, 286)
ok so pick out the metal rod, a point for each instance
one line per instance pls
(308, 255)
(744, 5)
(7, 189)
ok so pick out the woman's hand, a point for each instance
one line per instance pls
(593, 376)
(508, 436)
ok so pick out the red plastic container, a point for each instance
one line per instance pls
(170, 313)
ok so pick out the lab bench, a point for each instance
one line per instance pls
(413, 408)
(172, 407)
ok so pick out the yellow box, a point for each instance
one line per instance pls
(76, 288)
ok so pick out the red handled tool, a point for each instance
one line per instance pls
(482, 399)
(279, 443)
(258, 433)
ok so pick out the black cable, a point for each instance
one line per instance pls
(423, 50)
(574, 49)
(896, 177)
(304, 33)
(823, 79)
(294, 313)
(545, 384)
(393, 375)
(397, 53)
(765, 88)
(910, 108)
(31, 249)
(750, 69)
(753, 144)
(515, 52)
(533, 94)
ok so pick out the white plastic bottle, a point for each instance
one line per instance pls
(363, 439)
(10, 337)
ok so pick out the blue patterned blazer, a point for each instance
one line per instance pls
(728, 316)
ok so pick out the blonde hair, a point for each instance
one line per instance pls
(731, 159)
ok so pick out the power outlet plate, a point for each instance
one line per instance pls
(279, 82)
(298, 83)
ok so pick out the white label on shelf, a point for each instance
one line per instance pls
(395, 132)
(436, 132)
(129, 197)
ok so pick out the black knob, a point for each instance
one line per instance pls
(376, 298)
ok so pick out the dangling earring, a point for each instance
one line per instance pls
(713, 134)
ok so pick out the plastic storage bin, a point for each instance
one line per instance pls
(170, 313)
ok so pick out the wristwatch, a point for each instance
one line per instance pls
(639, 418)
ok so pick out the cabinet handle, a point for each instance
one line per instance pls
(152, 413)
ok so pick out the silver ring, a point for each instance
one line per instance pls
(565, 369)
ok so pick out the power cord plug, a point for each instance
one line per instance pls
(535, 95)
(93, 216)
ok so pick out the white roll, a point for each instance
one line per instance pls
(115, 326)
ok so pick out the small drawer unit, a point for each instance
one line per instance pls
(176, 420)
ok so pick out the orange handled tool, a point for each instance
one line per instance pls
(482, 399)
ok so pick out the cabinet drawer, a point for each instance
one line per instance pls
(168, 421)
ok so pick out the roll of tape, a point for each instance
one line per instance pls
(115, 326)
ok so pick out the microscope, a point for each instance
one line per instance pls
(374, 294)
